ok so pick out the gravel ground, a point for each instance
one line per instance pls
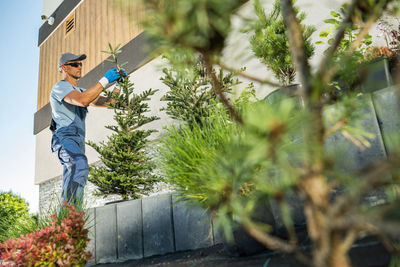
(366, 254)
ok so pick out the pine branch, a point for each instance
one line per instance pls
(217, 87)
(248, 76)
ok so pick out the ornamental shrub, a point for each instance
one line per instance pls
(62, 243)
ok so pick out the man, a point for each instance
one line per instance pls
(69, 107)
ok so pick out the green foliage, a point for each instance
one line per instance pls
(185, 150)
(296, 148)
(21, 226)
(270, 44)
(62, 243)
(14, 216)
(348, 73)
(12, 205)
(191, 96)
(351, 33)
(202, 25)
(223, 166)
(126, 165)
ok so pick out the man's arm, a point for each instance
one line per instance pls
(102, 101)
(86, 97)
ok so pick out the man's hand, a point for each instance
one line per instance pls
(112, 75)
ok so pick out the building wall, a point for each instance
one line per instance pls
(96, 24)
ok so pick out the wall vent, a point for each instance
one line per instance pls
(70, 24)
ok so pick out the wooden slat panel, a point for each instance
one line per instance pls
(77, 48)
(110, 21)
(96, 7)
(46, 70)
(88, 34)
(105, 29)
(91, 22)
(97, 22)
(59, 38)
(125, 21)
(40, 78)
(118, 24)
(83, 32)
(51, 63)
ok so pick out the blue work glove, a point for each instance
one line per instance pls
(112, 75)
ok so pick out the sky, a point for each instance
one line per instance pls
(20, 23)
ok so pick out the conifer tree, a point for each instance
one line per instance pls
(270, 44)
(191, 95)
(126, 165)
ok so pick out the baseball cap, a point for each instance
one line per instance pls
(64, 58)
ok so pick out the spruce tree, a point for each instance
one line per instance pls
(126, 165)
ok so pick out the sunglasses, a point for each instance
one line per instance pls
(74, 64)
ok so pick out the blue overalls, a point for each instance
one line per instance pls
(69, 144)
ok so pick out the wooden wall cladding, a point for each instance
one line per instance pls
(97, 23)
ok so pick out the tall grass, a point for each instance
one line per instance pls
(184, 150)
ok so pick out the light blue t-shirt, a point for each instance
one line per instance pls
(62, 112)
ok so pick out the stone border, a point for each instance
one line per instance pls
(146, 227)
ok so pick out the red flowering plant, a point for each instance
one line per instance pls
(62, 243)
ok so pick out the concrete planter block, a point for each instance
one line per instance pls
(106, 234)
(90, 224)
(192, 226)
(349, 157)
(387, 111)
(217, 234)
(130, 230)
(375, 75)
(158, 236)
(274, 211)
